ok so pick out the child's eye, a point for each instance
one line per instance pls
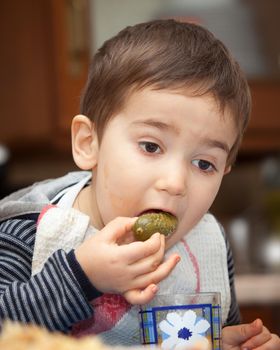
(149, 147)
(204, 165)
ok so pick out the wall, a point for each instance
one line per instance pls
(105, 22)
(247, 27)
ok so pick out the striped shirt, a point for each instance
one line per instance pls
(55, 298)
(59, 295)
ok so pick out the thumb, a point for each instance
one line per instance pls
(239, 334)
(252, 329)
(118, 228)
(249, 330)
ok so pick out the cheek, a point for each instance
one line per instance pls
(205, 197)
(116, 190)
(199, 201)
(110, 185)
(119, 177)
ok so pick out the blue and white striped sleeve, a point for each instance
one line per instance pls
(55, 298)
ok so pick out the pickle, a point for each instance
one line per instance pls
(148, 224)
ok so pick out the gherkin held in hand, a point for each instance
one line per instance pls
(148, 224)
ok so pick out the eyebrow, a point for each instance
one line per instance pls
(164, 126)
(157, 124)
(217, 144)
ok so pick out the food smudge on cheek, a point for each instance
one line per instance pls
(116, 199)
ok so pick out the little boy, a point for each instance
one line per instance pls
(163, 115)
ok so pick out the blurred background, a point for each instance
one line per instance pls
(46, 46)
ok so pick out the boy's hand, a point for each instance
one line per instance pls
(134, 268)
(249, 336)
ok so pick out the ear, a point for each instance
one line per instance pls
(227, 169)
(84, 142)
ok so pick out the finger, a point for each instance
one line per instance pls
(244, 332)
(272, 344)
(138, 296)
(149, 263)
(140, 250)
(118, 228)
(126, 239)
(159, 274)
(258, 339)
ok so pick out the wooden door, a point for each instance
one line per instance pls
(44, 61)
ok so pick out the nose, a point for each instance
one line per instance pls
(173, 179)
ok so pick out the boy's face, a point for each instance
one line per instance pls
(164, 151)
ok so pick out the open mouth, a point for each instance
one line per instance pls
(156, 211)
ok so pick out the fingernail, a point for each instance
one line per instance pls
(154, 289)
(255, 324)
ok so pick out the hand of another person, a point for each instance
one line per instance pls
(249, 336)
(132, 269)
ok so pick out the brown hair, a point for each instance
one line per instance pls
(165, 54)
